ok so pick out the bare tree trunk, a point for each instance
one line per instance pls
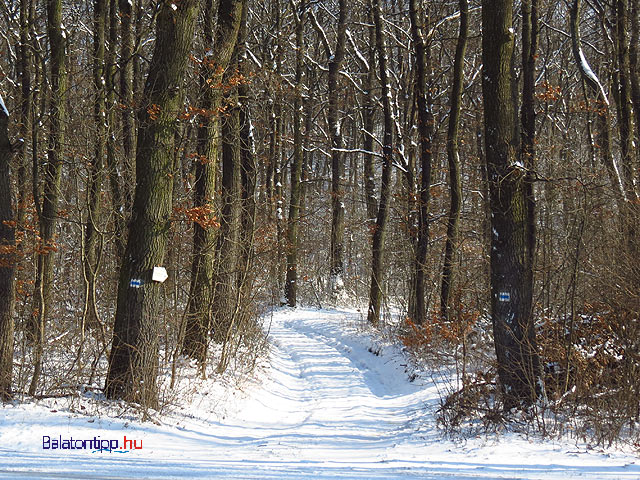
(119, 172)
(528, 118)
(7, 258)
(453, 159)
(26, 106)
(511, 286)
(634, 68)
(96, 169)
(224, 300)
(225, 270)
(377, 249)
(336, 274)
(368, 115)
(126, 8)
(133, 362)
(222, 37)
(248, 163)
(198, 319)
(291, 280)
(627, 147)
(52, 176)
(592, 81)
(425, 134)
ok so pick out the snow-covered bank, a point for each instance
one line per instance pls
(332, 405)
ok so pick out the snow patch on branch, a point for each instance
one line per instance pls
(3, 108)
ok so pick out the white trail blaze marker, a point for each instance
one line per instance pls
(159, 274)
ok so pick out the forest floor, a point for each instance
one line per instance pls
(330, 402)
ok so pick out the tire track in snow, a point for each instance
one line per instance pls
(329, 409)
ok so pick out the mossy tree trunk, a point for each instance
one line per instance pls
(224, 300)
(220, 41)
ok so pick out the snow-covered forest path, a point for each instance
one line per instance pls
(335, 404)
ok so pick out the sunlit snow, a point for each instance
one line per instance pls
(331, 402)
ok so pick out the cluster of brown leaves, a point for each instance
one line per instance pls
(203, 216)
(548, 93)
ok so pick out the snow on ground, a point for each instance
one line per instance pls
(333, 404)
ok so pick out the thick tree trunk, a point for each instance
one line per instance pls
(453, 159)
(52, 176)
(7, 258)
(425, 134)
(377, 248)
(133, 361)
(511, 286)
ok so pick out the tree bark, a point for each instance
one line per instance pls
(7, 258)
(453, 159)
(627, 148)
(528, 118)
(377, 248)
(25, 70)
(133, 361)
(96, 169)
(368, 115)
(602, 102)
(248, 162)
(222, 39)
(118, 172)
(226, 265)
(634, 68)
(52, 176)
(511, 286)
(126, 8)
(425, 134)
(291, 280)
(336, 273)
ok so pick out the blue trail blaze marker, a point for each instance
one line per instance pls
(135, 283)
(504, 297)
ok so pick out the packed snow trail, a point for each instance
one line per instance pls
(335, 405)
